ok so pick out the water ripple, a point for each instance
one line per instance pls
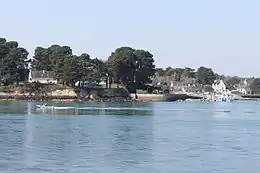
(171, 137)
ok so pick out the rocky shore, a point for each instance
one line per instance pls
(69, 96)
(65, 99)
(141, 98)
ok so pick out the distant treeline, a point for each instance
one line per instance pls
(132, 67)
(205, 76)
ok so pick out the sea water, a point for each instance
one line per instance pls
(179, 137)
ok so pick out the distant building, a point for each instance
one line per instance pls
(185, 85)
(219, 86)
(243, 87)
(46, 77)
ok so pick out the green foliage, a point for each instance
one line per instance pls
(255, 85)
(68, 68)
(159, 71)
(168, 71)
(139, 91)
(232, 81)
(13, 62)
(132, 67)
(220, 77)
(179, 73)
(2, 40)
(51, 58)
(205, 76)
(188, 73)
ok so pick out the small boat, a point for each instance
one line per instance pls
(224, 97)
(44, 106)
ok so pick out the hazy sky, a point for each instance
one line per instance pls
(222, 34)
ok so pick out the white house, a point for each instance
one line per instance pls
(243, 87)
(243, 90)
(46, 77)
(219, 86)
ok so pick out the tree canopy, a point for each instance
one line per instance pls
(232, 81)
(205, 76)
(13, 62)
(255, 85)
(131, 66)
(68, 68)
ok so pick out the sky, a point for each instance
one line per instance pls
(221, 34)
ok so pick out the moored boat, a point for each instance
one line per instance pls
(224, 97)
(44, 106)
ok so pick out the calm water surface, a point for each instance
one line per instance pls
(179, 137)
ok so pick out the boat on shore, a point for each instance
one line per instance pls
(225, 96)
(224, 99)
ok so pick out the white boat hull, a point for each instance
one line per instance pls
(44, 107)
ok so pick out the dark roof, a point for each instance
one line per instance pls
(42, 74)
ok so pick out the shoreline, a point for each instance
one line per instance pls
(115, 99)
(141, 98)
(70, 99)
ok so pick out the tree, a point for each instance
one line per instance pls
(12, 44)
(68, 68)
(2, 40)
(42, 60)
(231, 82)
(144, 67)
(176, 73)
(220, 77)
(55, 58)
(255, 85)
(13, 67)
(51, 58)
(168, 71)
(188, 73)
(67, 73)
(205, 76)
(131, 66)
(89, 69)
(98, 69)
(159, 71)
(84, 67)
(120, 64)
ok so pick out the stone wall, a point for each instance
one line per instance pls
(103, 92)
(64, 92)
(91, 93)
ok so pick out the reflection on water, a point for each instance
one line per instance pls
(97, 109)
(77, 108)
(173, 137)
(71, 141)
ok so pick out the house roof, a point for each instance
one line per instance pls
(42, 74)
